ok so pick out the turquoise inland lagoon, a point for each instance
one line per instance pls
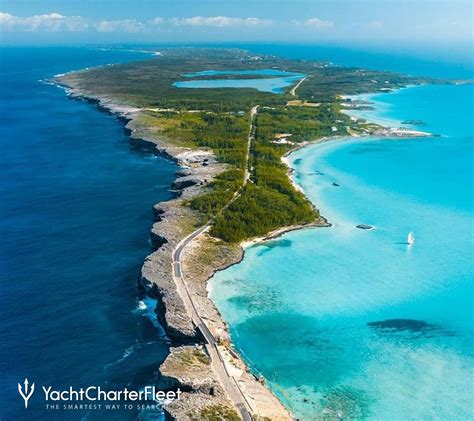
(345, 322)
(276, 82)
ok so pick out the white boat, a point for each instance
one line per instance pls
(410, 238)
(141, 305)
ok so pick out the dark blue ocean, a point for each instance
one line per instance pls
(75, 214)
(76, 210)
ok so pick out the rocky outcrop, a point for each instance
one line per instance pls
(157, 275)
(365, 227)
(204, 407)
(187, 181)
(190, 367)
(173, 221)
(183, 172)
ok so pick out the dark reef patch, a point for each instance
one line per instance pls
(419, 327)
(402, 325)
(254, 303)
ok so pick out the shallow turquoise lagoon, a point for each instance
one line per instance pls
(344, 322)
(276, 84)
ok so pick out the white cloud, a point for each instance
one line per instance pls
(219, 21)
(6, 18)
(51, 22)
(158, 21)
(315, 23)
(124, 25)
(55, 22)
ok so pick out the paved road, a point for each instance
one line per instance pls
(180, 247)
(227, 381)
(251, 137)
(293, 90)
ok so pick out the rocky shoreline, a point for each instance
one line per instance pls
(173, 221)
(186, 366)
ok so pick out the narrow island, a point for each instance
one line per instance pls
(233, 188)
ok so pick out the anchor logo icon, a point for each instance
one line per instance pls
(27, 392)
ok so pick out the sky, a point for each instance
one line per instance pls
(202, 21)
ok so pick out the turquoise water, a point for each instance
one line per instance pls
(452, 61)
(275, 84)
(344, 322)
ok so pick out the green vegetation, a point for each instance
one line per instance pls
(149, 83)
(304, 123)
(225, 134)
(222, 191)
(258, 211)
(196, 355)
(216, 413)
(219, 120)
(325, 83)
(270, 201)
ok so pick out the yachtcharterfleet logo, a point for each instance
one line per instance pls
(96, 398)
(26, 392)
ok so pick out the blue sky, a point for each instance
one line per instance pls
(184, 21)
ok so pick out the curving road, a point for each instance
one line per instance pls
(227, 381)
